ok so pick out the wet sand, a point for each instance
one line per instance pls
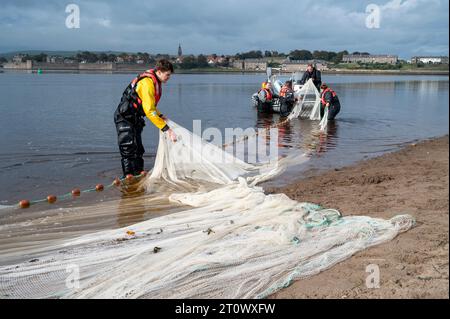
(414, 180)
(24, 234)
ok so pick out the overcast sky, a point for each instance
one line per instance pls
(407, 28)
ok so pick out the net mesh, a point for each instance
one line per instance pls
(309, 102)
(233, 241)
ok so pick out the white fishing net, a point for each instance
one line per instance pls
(234, 242)
(309, 102)
(191, 158)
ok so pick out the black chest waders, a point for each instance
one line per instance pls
(129, 120)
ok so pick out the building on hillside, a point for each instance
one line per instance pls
(55, 59)
(370, 58)
(18, 58)
(430, 59)
(301, 65)
(250, 64)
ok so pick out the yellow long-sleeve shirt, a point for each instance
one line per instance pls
(146, 91)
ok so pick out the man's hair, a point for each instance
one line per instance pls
(324, 86)
(164, 65)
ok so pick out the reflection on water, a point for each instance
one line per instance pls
(300, 134)
(328, 139)
(132, 205)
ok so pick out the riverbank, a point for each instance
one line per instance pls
(94, 69)
(414, 180)
(387, 72)
(325, 72)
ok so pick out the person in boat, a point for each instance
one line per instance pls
(329, 99)
(287, 98)
(314, 74)
(139, 100)
(265, 98)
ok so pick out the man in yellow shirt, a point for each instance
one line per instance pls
(140, 99)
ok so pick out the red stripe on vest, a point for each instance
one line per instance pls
(323, 95)
(284, 91)
(158, 89)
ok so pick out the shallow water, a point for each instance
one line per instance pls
(58, 132)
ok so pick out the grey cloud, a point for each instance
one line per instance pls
(407, 27)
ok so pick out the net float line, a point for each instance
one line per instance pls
(76, 192)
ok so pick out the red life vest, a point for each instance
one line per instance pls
(323, 95)
(284, 90)
(158, 88)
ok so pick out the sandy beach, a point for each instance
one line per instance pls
(414, 180)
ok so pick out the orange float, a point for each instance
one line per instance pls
(24, 203)
(51, 199)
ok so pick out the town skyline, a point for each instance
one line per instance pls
(295, 61)
(180, 52)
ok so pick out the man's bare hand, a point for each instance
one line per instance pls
(172, 135)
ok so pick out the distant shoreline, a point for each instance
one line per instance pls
(335, 71)
(388, 72)
(235, 71)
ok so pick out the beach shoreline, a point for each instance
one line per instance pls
(413, 180)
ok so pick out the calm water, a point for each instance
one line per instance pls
(57, 130)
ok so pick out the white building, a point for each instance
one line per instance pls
(430, 59)
(370, 58)
(301, 65)
(18, 58)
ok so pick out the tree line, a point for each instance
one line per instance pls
(329, 56)
(199, 61)
(95, 57)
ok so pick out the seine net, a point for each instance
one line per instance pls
(233, 241)
(309, 102)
